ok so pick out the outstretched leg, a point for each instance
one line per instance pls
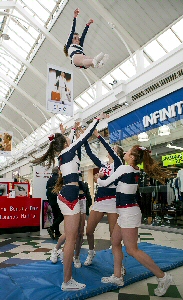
(130, 238)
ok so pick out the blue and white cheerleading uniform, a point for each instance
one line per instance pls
(126, 177)
(105, 198)
(75, 48)
(69, 164)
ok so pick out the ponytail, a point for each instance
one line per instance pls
(65, 50)
(58, 185)
(57, 144)
(120, 153)
(151, 166)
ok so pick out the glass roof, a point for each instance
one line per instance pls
(22, 37)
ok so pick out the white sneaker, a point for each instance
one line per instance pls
(54, 256)
(103, 61)
(123, 271)
(163, 285)
(61, 254)
(97, 59)
(113, 279)
(77, 263)
(72, 285)
(88, 261)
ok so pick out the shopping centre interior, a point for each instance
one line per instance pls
(140, 87)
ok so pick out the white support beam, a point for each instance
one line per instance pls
(20, 129)
(104, 13)
(24, 61)
(19, 112)
(22, 92)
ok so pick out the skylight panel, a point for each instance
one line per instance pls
(76, 107)
(38, 9)
(33, 134)
(146, 62)
(128, 68)
(168, 40)
(87, 98)
(45, 127)
(21, 32)
(61, 117)
(107, 80)
(17, 48)
(20, 19)
(154, 50)
(19, 40)
(3, 68)
(33, 32)
(9, 59)
(177, 28)
(119, 75)
(81, 102)
(4, 86)
(48, 4)
(43, 131)
(92, 92)
(1, 95)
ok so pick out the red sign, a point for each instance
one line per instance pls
(19, 212)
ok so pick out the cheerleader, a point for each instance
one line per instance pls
(68, 197)
(126, 228)
(74, 48)
(105, 198)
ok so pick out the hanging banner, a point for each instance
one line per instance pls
(172, 159)
(59, 99)
(163, 111)
(6, 139)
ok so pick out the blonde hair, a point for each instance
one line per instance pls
(65, 50)
(151, 166)
(58, 185)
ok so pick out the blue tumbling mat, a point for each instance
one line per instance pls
(42, 280)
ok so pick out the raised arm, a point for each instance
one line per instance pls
(85, 136)
(69, 41)
(117, 160)
(92, 156)
(85, 32)
(115, 177)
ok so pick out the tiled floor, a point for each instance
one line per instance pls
(24, 248)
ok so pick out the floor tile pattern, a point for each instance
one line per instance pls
(24, 248)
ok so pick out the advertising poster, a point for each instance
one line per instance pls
(6, 143)
(47, 216)
(59, 90)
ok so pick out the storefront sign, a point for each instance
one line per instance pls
(163, 114)
(163, 111)
(19, 212)
(172, 159)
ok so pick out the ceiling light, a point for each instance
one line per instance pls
(163, 130)
(143, 137)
